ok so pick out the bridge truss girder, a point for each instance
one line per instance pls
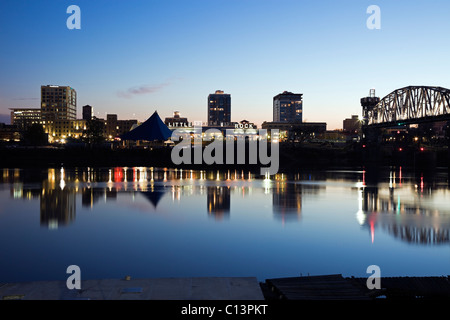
(411, 105)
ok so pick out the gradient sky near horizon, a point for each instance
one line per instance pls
(134, 57)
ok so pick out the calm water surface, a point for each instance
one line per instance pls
(151, 222)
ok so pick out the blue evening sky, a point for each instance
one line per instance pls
(134, 57)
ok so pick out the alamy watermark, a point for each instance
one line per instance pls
(374, 280)
(74, 280)
(213, 153)
(74, 20)
(374, 20)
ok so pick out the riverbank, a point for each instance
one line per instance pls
(290, 157)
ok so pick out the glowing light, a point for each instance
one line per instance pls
(118, 174)
(360, 216)
(372, 230)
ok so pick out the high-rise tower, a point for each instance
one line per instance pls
(58, 103)
(219, 108)
(287, 107)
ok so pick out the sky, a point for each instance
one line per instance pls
(134, 57)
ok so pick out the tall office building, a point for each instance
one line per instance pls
(88, 112)
(58, 103)
(219, 108)
(287, 107)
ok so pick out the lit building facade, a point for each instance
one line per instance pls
(23, 118)
(58, 103)
(60, 130)
(288, 107)
(290, 130)
(176, 121)
(219, 108)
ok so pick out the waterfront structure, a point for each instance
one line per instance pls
(245, 124)
(88, 112)
(295, 131)
(219, 109)
(23, 118)
(288, 107)
(176, 121)
(153, 129)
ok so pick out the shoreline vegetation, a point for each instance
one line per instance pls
(291, 157)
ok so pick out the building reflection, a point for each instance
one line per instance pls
(90, 196)
(57, 201)
(154, 194)
(404, 205)
(57, 207)
(405, 209)
(218, 201)
(287, 201)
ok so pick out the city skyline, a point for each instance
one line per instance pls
(132, 58)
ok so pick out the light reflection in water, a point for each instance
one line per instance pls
(411, 209)
(293, 223)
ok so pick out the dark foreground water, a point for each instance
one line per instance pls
(152, 222)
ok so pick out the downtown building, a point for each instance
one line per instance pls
(58, 103)
(351, 125)
(59, 113)
(288, 107)
(176, 121)
(23, 118)
(88, 112)
(219, 109)
(115, 127)
(288, 118)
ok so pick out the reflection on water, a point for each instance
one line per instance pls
(156, 222)
(218, 201)
(409, 209)
(406, 207)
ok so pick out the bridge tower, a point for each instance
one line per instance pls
(368, 104)
(370, 136)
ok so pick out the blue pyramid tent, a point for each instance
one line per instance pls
(152, 129)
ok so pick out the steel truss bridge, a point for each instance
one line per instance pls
(408, 105)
